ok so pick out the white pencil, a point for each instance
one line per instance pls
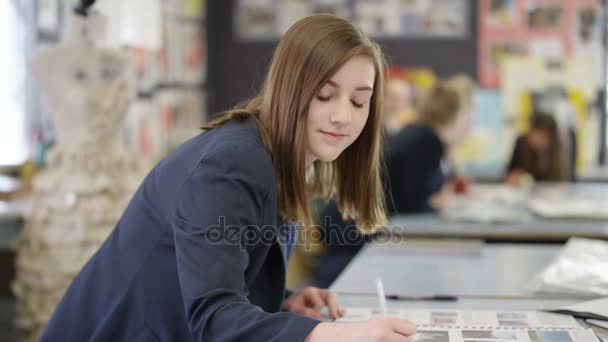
(381, 296)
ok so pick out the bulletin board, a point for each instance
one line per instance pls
(269, 19)
(552, 29)
(234, 76)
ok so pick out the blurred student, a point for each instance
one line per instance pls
(541, 153)
(200, 252)
(416, 180)
(398, 105)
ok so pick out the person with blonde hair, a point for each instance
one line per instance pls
(200, 253)
(415, 177)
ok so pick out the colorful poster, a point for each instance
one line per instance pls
(502, 13)
(548, 29)
(544, 15)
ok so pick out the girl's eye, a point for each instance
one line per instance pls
(357, 105)
(323, 99)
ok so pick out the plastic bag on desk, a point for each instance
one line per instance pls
(580, 268)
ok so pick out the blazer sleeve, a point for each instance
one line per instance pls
(227, 190)
(411, 170)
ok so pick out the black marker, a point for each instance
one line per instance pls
(441, 298)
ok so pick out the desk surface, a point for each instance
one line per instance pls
(534, 229)
(462, 304)
(499, 212)
(594, 174)
(447, 268)
(483, 276)
(490, 203)
(13, 210)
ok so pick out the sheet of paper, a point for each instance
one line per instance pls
(484, 325)
(598, 307)
(142, 23)
(519, 75)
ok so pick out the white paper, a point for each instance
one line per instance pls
(111, 11)
(142, 23)
(581, 268)
(598, 307)
(555, 201)
(48, 15)
(549, 48)
(598, 323)
(481, 325)
(487, 203)
(582, 74)
(519, 75)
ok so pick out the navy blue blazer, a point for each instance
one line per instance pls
(197, 255)
(413, 164)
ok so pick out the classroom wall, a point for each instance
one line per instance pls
(236, 69)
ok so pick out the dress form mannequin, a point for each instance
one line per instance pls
(79, 196)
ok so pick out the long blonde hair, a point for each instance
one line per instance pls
(307, 56)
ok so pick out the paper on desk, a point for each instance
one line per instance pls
(482, 325)
(598, 323)
(569, 201)
(451, 318)
(595, 309)
(488, 203)
(580, 268)
(569, 208)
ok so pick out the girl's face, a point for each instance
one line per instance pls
(339, 111)
(539, 140)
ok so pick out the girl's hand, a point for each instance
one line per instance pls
(310, 300)
(382, 329)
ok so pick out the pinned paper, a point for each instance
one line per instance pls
(142, 23)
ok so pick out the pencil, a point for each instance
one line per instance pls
(381, 296)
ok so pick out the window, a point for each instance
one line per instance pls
(14, 147)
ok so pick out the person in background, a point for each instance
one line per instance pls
(200, 252)
(415, 180)
(541, 154)
(398, 105)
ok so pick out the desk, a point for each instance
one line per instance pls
(476, 270)
(462, 304)
(13, 210)
(499, 212)
(594, 174)
(534, 229)
(421, 268)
